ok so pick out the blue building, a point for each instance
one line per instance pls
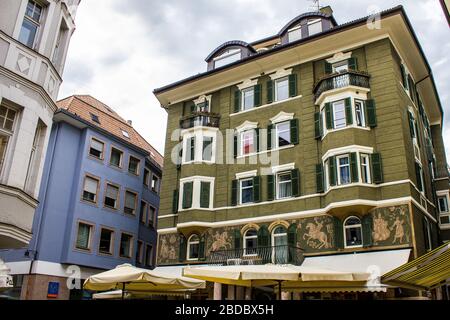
(98, 201)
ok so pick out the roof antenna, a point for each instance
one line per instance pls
(316, 5)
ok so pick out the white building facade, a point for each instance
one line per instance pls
(34, 38)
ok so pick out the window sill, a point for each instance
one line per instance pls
(345, 128)
(94, 158)
(356, 184)
(265, 151)
(91, 203)
(265, 106)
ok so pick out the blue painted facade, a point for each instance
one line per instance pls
(62, 206)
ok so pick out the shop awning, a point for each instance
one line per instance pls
(427, 272)
(117, 294)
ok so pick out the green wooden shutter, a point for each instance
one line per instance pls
(234, 192)
(419, 177)
(371, 113)
(367, 226)
(201, 249)
(317, 126)
(295, 182)
(338, 233)
(329, 115)
(319, 178)
(270, 187)
(348, 111)
(269, 91)
(332, 170)
(175, 201)
(263, 237)
(187, 194)
(237, 101)
(257, 95)
(182, 249)
(258, 145)
(292, 243)
(292, 85)
(257, 189)
(328, 68)
(235, 145)
(353, 63)
(237, 239)
(294, 131)
(292, 235)
(269, 136)
(354, 166)
(377, 168)
(204, 194)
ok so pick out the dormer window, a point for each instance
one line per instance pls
(314, 26)
(125, 134)
(295, 34)
(94, 118)
(227, 57)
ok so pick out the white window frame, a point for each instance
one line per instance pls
(444, 194)
(292, 30)
(275, 84)
(226, 55)
(196, 192)
(313, 22)
(363, 112)
(352, 227)
(191, 242)
(245, 237)
(38, 24)
(199, 133)
(241, 189)
(277, 178)
(243, 91)
(334, 114)
(338, 167)
(337, 65)
(252, 132)
(277, 133)
(367, 166)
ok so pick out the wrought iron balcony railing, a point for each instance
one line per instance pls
(283, 254)
(197, 119)
(341, 80)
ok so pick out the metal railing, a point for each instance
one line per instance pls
(341, 80)
(257, 256)
(197, 119)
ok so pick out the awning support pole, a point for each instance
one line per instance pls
(123, 290)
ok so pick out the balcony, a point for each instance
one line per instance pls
(258, 256)
(341, 80)
(200, 119)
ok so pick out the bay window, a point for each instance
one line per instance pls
(339, 114)
(7, 120)
(365, 168)
(360, 113)
(444, 213)
(207, 148)
(343, 166)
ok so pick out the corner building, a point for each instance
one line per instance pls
(353, 115)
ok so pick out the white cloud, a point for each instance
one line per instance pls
(122, 50)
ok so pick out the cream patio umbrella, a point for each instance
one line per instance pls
(265, 275)
(129, 278)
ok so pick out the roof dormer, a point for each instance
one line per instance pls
(228, 53)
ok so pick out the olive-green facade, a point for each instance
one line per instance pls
(398, 211)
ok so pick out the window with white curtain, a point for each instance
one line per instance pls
(284, 185)
(84, 236)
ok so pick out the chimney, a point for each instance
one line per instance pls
(327, 10)
(130, 122)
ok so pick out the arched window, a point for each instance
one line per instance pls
(193, 247)
(279, 245)
(353, 232)
(250, 242)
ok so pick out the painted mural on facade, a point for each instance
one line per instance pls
(315, 234)
(169, 245)
(391, 226)
(219, 239)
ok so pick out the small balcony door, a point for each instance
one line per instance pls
(279, 246)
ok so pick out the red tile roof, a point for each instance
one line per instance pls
(84, 105)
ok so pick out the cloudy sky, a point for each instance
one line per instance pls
(122, 50)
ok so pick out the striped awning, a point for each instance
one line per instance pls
(427, 272)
